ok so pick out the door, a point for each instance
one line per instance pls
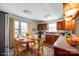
(77, 25)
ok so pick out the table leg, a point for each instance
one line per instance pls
(27, 46)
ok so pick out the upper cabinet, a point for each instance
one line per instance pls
(61, 25)
(71, 11)
(70, 25)
(66, 25)
(42, 26)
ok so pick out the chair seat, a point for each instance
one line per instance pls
(36, 47)
(19, 50)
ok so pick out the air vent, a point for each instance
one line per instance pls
(28, 12)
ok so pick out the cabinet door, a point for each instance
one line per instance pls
(70, 25)
(61, 25)
(42, 26)
(45, 26)
(60, 52)
(74, 54)
(50, 39)
(58, 25)
(53, 39)
(38, 26)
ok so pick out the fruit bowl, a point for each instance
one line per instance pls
(73, 41)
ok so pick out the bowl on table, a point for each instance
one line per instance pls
(73, 41)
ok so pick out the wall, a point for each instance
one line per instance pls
(32, 27)
(52, 21)
(77, 25)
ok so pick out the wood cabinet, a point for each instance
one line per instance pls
(50, 39)
(61, 52)
(66, 25)
(70, 25)
(42, 26)
(61, 25)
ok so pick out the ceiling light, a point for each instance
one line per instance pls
(47, 16)
(71, 12)
(28, 12)
(68, 19)
(71, 4)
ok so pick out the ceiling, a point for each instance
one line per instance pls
(38, 11)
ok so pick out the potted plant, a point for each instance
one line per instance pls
(27, 35)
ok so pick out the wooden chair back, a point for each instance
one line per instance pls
(16, 47)
(40, 42)
(40, 45)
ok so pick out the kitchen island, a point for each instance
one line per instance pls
(51, 38)
(63, 48)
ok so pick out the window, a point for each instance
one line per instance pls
(52, 27)
(20, 27)
(23, 27)
(16, 28)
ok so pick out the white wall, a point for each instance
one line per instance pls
(32, 27)
(77, 25)
(52, 21)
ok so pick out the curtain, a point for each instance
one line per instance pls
(11, 32)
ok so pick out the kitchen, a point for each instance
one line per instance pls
(65, 23)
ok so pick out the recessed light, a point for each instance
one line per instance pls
(28, 12)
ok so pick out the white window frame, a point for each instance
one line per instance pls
(20, 28)
(54, 27)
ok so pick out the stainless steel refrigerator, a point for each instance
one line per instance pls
(4, 34)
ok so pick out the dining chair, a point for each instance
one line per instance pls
(38, 47)
(18, 48)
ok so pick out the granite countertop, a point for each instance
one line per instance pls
(52, 33)
(63, 44)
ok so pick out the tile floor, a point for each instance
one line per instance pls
(48, 51)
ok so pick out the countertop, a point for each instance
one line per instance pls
(52, 33)
(63, 44)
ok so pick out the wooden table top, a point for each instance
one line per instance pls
(25, 40)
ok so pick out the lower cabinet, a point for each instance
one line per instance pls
(61, 52)
(50, 39)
